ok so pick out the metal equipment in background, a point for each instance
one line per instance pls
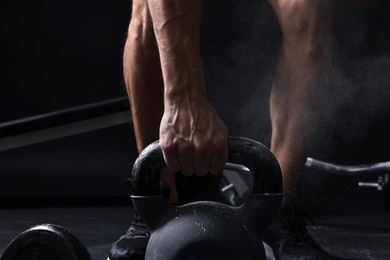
(63, 123)
(381, 168)
(236, 184)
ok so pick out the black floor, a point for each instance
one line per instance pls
(347, 221)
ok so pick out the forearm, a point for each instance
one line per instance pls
(142, 75)
(177, 29)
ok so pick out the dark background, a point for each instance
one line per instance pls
(60, 54)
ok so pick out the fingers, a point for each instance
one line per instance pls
(202, 161)
(169, 154)
(199, 160)
(178, 158)
(186, 160)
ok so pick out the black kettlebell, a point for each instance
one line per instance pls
(205, 229)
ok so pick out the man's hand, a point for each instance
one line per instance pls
(193, 138)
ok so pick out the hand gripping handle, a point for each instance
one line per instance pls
(267, 177)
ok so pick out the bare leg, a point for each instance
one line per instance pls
(300, 79)
(143, 78)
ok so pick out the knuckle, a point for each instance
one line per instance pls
(184, 148)
(201, 148)
(168, 147)
(219, 144)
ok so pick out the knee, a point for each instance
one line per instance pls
(303, 18)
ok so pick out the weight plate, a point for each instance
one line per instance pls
(46, 242)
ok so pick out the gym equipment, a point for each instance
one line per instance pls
(198, 230)
(46, 242)
(236, 184)
(63, 123)
(207, 229)
(382, 184)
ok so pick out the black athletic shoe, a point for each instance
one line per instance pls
(132, 245)
(287, 234)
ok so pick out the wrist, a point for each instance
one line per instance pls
(186, 95)
(184, 85)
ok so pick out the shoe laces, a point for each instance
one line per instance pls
(138, 226)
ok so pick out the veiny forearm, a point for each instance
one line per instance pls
(177, 29)
(142, 74)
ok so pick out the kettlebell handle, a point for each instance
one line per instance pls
(267, 177)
